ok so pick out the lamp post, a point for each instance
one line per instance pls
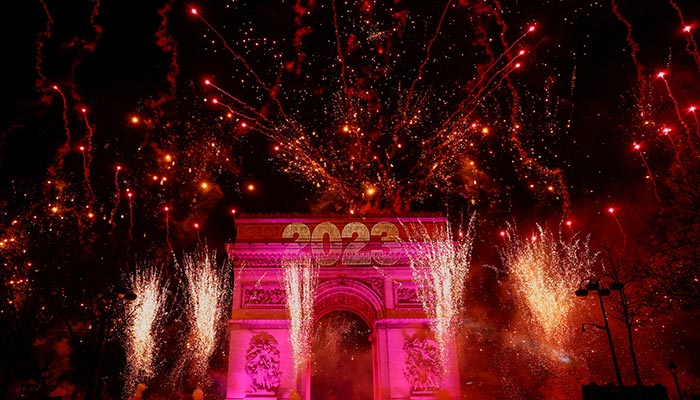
(588, 285)
(674, 372)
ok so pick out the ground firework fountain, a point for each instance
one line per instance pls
(300, 276)
(206, 287)
(143, 323)
(440, 264)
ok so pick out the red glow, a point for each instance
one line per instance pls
(636, 146)
(193, 11)
(233, 211)
(611, 210)
(502, 233)
(531, 29)
(207, 82)
(569, 223)
(661, 74)
(83, 110)
(691, 109)
(166, 208)
(196, 225)
(687, 28)
(215, 101)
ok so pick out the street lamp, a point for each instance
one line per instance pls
(588, 285)
(674, 372)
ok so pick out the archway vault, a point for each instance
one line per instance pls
(348, 295)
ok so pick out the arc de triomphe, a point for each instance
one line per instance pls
(363, 269)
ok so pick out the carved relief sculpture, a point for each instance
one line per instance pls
(264, 296)
(263, 363)
(407, 295)
(422, 368)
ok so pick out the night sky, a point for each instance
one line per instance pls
(134, 130)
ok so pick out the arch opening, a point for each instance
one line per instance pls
(341, 362)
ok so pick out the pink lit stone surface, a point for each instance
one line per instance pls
(363, 270)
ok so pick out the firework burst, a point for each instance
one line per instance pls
(380, 134)
(545, 268)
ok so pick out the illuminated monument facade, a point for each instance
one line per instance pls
(363, 269)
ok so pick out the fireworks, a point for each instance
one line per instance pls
(440, 265)
(378, 107)
(358, 147)
(300, 277)
(545, 268)
(144, 316)
(207, 287)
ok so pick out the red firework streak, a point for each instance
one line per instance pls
(634, 52)
(63, 150)
(117, 195)
(611, 210)
(638, 148)
(691, 110)
(690, 46)
(131, 215)
(662, 75)
(167, 227)
(87, 158)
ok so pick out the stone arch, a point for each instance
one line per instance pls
(352, 279)
(348, 295)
